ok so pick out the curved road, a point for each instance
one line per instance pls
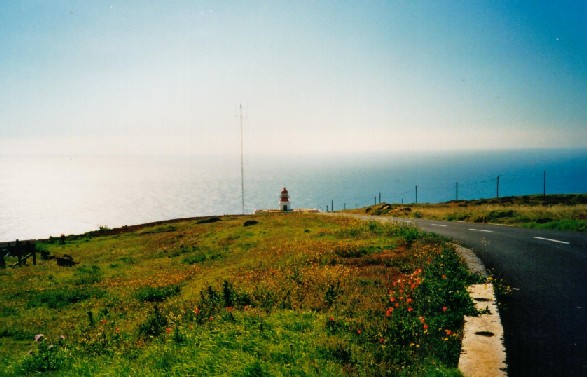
(545, 317)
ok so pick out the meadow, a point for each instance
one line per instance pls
(562, 212)
(267, 295)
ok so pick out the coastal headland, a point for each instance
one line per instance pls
(271, 294)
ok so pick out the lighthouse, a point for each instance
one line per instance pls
(284, 201)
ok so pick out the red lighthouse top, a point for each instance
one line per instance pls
(284, 195)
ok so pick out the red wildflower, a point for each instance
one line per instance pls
(410, 308)
(168, 330)
(197, 310)
(444, 308)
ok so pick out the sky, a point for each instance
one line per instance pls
(170, 77)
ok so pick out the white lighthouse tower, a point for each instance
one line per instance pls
(284, 201)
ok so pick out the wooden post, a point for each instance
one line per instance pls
(33, 251)
(18, 251)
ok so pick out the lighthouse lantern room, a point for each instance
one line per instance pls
(284, 201)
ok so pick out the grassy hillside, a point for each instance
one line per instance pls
(268, 295)
(564, 212)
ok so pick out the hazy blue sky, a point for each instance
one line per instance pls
(333, 76)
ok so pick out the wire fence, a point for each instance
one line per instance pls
(490, 186)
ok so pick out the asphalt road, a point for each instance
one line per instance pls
(545, 316)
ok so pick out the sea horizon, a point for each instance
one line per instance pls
(43, 196)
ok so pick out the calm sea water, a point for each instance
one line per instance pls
(48, 196)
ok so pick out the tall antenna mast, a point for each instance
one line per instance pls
(242, 165)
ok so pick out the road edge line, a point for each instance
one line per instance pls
(483, 353)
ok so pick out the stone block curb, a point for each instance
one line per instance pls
(483, 353)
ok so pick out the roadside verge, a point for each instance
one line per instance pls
(482, 351)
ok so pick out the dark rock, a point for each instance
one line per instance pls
(65, 261)
(209, 220)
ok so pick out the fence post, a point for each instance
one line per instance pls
(497, 187)
(32, 248)
(18, 251)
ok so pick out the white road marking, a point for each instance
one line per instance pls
(553, 240)
(481, 230)
(442, 225)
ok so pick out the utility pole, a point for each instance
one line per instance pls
(379, 198)
(375, 200)
(242, 164)
(416, 194)
(497, 187)
(332, 205)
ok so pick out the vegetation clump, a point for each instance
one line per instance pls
(292, 295)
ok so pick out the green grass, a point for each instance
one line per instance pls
(562, 212)
(303, 295)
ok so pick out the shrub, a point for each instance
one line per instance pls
(87, 275)
(254, 369)
(157, 294)
(332, 293)
(153, 325)
(47, 357)
(200, 255)
(59, 298)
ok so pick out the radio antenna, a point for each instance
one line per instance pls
(242, 164)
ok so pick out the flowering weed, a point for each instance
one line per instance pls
(293, 295)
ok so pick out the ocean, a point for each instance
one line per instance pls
(42, 196)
